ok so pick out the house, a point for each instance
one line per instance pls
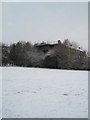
(59, 55)
(45, 47)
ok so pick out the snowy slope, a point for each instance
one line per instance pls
(44, 93)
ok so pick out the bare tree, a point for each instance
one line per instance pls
(66, 42)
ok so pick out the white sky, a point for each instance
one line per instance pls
(47, 21)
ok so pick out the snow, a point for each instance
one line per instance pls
(44, 93)
(0, 93)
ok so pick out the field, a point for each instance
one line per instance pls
(44, 93)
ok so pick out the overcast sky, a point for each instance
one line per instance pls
(36, 22)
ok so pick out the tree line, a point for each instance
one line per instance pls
(66, 55)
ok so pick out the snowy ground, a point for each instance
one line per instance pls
(0, 93)
(44, 93)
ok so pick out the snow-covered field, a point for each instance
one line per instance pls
(44, 93)
(0, 93)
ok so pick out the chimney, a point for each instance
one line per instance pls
(59, 42)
